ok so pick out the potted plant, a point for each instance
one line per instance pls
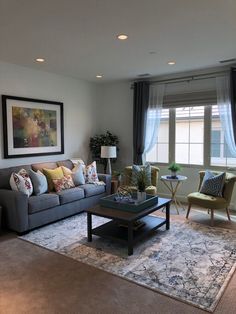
(107, 139)
(174, 168)
(141, 181)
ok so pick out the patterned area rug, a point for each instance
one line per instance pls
(190, 262)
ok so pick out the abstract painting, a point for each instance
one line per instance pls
(32, 127)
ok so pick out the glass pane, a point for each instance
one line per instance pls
(196, 154)
(219, 160)
(160, 151)
(220, 152)
(182, 131)
(196, 130)
(189, 131)
(152, 155)
(163, 152)
(215, 150)
(163, 134)
(182, 153)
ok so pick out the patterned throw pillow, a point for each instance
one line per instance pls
(213, 184)
(21, 182)
(136, 169)
(64, 183)
(52, 174)
(76, 173)
(90, 173)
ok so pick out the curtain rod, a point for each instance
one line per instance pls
(191, 77)
(188, 78)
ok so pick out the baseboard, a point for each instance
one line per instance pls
(183, 198)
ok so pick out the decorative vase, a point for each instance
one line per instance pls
(141, 196)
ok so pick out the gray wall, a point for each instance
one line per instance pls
(79, 98)
(117, 114)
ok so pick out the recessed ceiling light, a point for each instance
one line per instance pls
(171, 62)
(40, 59)
(122, 37)
(152, 52)
(99, 76)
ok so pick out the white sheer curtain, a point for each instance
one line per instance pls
(155, 103)
(224, 107)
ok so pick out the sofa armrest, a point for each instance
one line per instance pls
(107, 179)
(15, 209)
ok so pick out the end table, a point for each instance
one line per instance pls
(173, 185)
(114, 186)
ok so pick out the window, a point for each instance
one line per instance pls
(160, 151)
(189, 132)
(191, 136)
(220, 152)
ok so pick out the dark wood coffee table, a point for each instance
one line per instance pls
(122, 225)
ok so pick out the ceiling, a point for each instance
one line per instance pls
(78, 37)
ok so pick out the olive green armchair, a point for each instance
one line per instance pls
(213, 202)
(152, 189)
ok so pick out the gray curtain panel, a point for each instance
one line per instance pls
(233, 99)
(141, 95)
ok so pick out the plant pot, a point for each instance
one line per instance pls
(173, 174)
(141, 196)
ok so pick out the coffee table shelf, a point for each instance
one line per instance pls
(127, 233)
(114, 230)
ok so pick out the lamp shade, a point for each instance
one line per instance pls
(108, 151)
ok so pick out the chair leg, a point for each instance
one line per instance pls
(189, 207)
(228, 215)
(212, 217)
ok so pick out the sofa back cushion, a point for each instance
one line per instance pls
(5, 175)
(66, 163)
(47, 165)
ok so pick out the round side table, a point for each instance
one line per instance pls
(173, 185)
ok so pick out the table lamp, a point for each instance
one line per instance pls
(108, 152)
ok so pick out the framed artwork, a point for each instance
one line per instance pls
(32, 127)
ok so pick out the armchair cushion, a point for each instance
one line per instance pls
(207, 201)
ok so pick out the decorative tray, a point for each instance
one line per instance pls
(128, 204)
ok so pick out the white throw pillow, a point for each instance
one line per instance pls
(90, 173)
(21, 182)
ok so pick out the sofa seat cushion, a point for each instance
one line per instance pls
(207, 201)
(70, 195)
(42, 202)
(92, 189)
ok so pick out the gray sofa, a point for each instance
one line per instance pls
(22, 213)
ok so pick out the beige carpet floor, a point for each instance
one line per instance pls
(35, 280)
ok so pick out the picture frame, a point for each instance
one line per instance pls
(32, 127)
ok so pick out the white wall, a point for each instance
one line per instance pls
(116, 115)
(79, 98)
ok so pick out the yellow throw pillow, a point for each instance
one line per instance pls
(53, 174)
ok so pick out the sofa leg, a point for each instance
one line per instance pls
(189, 207)
(212, 217)
(228, 215)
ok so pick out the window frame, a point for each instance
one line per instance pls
(206, 139)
